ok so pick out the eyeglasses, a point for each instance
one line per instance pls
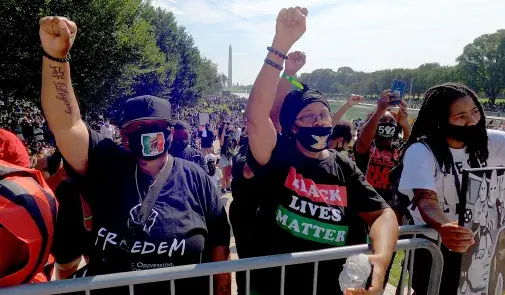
(311, 118)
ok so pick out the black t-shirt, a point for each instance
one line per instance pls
(310, 204)
(376, 164)
(191, 154)
(207, 140)
(71, 239)
(186, 222)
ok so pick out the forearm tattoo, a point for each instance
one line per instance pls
(61, 88)
(426, 195)
(57, 73)
(62, 94)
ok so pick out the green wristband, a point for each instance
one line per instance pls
(292, 80)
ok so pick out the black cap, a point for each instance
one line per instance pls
(147, 107)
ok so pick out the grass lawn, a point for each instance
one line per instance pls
(396, 270)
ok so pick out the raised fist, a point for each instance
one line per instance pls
(57, 34)
(296, 60)
(291, 24)
(354, 99)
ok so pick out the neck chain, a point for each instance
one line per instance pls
(151, 185)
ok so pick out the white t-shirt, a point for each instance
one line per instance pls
(421, 171)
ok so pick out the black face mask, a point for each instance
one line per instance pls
(386, 130)
(462, 133)
(314, 139)
(149, 143)
(179, 145)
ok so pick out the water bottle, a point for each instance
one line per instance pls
(357, 269)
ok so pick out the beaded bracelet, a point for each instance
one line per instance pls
(60, 60)
(276, 52)
(273, 64)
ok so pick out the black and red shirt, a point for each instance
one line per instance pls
(310, 204)
(377, 164)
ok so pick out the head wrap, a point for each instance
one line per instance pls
(294, 103)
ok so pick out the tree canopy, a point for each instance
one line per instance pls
(481, 66)
(123, 48)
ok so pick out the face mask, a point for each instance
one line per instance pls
(386, 130)
(313, 139)
(462, 133)
(149, 143)
(179, 145)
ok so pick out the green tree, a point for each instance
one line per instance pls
(482, 64)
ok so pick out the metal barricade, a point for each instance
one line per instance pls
(409, 254)
(210, 269)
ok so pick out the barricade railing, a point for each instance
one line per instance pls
(209, 269)
(413, 230)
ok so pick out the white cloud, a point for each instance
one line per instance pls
(365, 35)
(169, 5)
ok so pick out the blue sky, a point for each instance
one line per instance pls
(365, 35)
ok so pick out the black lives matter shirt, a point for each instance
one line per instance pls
(186, 222)
(309, 204)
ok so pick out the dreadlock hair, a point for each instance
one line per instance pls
(433, 120)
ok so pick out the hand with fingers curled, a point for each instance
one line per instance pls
(57, 35)
(290, 26)
(354, 99)
(384, 100)
(380, 265)
(296, 60)
(401, 115)
(456, 238)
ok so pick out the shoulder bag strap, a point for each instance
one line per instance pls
(154, 191)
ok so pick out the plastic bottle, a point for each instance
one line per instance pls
(357, 269)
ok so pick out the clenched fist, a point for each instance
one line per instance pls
(291, 24)
(296, 60)
(57, 34)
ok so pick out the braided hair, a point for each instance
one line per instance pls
(433, 120)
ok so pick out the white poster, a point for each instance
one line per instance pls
(483, 265)
(204, 118)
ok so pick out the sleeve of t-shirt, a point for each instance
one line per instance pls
(361, 196)
(361, 160)
(279, 153)
(497, 144)
(419, 170)
(103, 154)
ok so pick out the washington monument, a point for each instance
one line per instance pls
(230, 67)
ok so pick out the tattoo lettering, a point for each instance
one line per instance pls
(62, 95)
(58, 73)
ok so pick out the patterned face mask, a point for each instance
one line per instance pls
(314, 139)
(149, 143)
(386, 130)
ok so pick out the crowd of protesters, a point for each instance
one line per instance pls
(144, 194)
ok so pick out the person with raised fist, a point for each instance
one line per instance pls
(316, 199)
(150, 210)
